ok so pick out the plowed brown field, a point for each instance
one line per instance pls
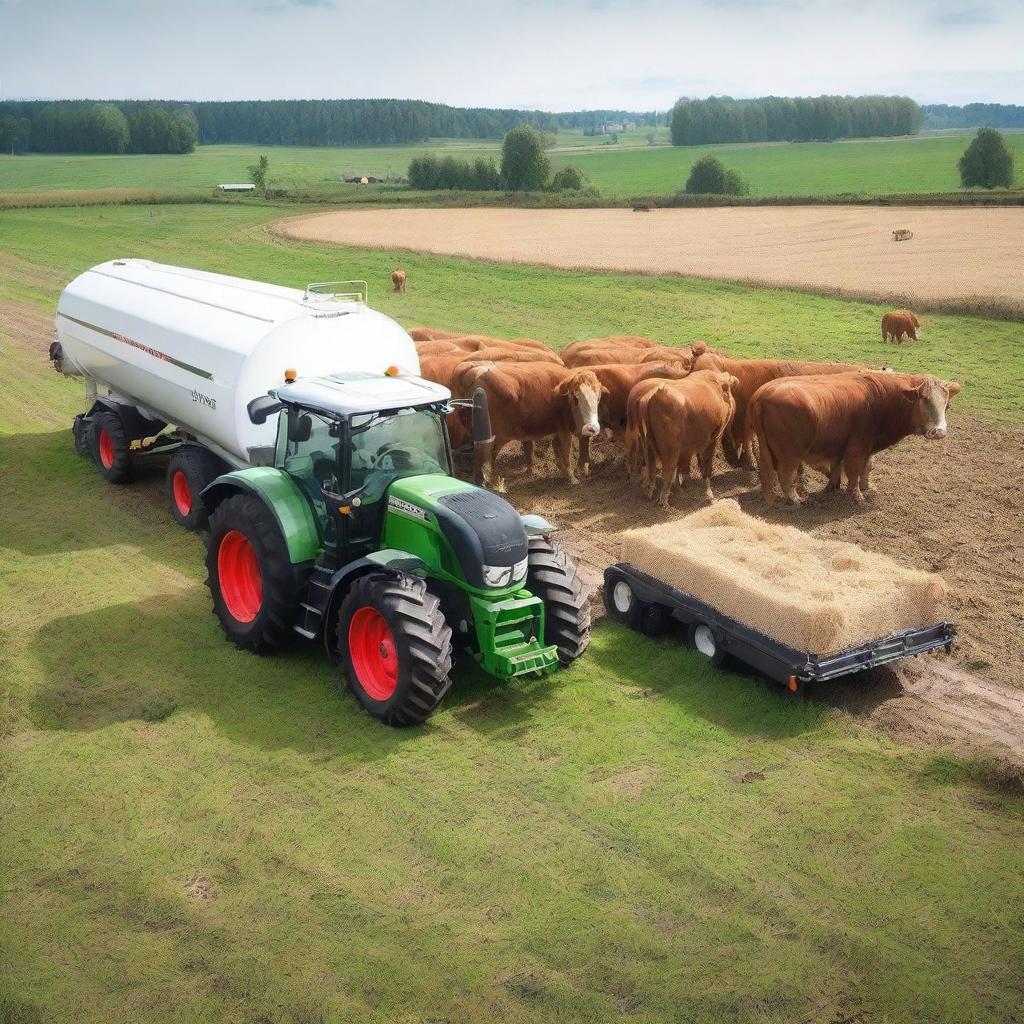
(965, 259)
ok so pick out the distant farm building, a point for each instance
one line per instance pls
(363, 179)
(237, 188)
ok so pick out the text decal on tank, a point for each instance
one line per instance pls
(155, 352)
(399, 505)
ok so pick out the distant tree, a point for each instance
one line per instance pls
(104, 129)
(987, 162)
(652, 138)
(709, 176)
(567, 179)
(550, 140)
(485, 175)
(424, 171)
(15, 133)
(524, 165)
(258, 173)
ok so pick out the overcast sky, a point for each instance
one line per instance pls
(631, 54)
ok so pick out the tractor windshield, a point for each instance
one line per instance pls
(386, 447)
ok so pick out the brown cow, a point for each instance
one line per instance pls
(615, 341)
(616, 383)
(671, 421)
(628, 356)
(419, 334)
(436, 348)
(750, 375)
(900, 323)
(840, 421)
(398, 279)
(530, 401)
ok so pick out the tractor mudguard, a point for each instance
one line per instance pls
(386, 558)
(282, 496)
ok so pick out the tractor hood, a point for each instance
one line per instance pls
(483, 530)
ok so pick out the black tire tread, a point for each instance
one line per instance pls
(201, 467)
(272, 628)
(552, 577)
(423, 636)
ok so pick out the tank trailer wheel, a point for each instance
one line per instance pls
(109, 443)
(552, 577)
(396, 647)
(189, 471)
(250, 576)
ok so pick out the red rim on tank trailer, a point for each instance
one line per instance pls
(371, 647)
(182, 493)
(106, 449)
(238, 570)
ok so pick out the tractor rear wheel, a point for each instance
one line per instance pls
(109, 444)
(552, 577)
(190, 470)
(395, 646)
(250, 576)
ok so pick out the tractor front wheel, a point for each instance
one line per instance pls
(552, 577)
(250, 576)
(395, 646)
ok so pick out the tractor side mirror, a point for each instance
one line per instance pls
(481, 418)
(262, 408)
(300, 427)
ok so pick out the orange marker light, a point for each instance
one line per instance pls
(290, 375)
(391, 371)
(793, 684)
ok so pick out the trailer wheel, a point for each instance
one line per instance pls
(552, 577)
(109, 444)
(189, 471)
(250, 576)
(704, 641)
(396, 647)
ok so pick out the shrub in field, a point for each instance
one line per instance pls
(987, 162)
(524, 165)
(709, 176)
(568, 179)
(258, 173)
(428, 173)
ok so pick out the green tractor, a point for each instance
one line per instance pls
(354, 530)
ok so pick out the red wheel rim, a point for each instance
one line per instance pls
(371, 646)
(181, 492)
(106, 448)
(241, 584)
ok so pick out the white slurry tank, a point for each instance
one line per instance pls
(192, 349)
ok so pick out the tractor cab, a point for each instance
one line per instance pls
(345, 439)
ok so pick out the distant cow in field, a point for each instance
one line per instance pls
(671, 421)
(398, 279)
(750, 375)
(838, 422)
(899, 324)
(528, 401)
(902, 235)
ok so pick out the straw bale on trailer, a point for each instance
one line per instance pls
(817, 595)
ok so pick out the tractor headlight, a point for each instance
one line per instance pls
(497, 575)
(504, 575)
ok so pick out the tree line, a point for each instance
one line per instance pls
(298, 122)
(973, 115)
(792, 119)
(84, 127)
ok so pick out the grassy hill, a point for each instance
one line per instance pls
(194, 833)
(873, 167)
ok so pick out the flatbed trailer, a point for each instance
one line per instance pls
(650, 605)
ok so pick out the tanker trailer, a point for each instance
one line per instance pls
(301, 436)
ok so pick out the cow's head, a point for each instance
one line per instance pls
(931, 399)
(584, 391)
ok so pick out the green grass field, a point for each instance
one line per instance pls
(192, 833)
(631, 168)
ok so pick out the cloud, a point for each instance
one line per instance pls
(273, 6)
(963, 17)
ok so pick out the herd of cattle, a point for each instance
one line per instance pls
(667, 406)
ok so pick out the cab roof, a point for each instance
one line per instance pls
(352, 393)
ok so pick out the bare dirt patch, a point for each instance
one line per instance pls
(951, 507)
(969, 259)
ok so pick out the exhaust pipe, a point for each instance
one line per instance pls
(483, 439)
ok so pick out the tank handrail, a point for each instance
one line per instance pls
(329, 289)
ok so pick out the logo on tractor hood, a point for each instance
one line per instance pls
(400, 505)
